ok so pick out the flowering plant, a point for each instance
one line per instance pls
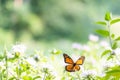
(101, 59)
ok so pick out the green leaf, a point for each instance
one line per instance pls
(12, 59)
(114, 46)
(101, 22)
(1, 57)
(115, 21)
(103, 33)
(114, 71)
(12, 78)
(37, 77)
(105, 52)
(27, 78)
(113, 36)
(110, 57)
(116, 67)
(117, 39)
(107, 16)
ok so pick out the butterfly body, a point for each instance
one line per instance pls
(73, 66)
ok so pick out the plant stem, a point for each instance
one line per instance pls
(6, 62)
(0, 75)
(78, 76)
(117, 58)
(110, 40)
(18, 74)
(88, 78)
(44, 76)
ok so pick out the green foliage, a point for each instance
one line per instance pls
(114, 46)
(37, 77)
(117, 39)
(114, 21)
(106, 52)
(107, 33)
(110, 57)
(12, 78)
(51, 20)
(101, 23)
(108, 16)
(1, 57)
(104, 33)
(27, 78)
(34, 70)
(113, 72)
(54, 19)
(113, 36)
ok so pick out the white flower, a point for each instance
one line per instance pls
(88, 73)
(118, 63)
(86, 48)
(117, 51)
(101, 74)
(1, 63)
(54, 73)
(76, 46)
(47, 65)
(10, 55)
(104, 44)
(19, 48)
(93, 61)
(93, 38)
(31, 61)
(10, 71)
(82, 68)
(108, 64)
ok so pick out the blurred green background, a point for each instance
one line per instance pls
(35, 21)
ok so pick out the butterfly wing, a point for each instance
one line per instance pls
(67, 59)
(72, 68)
(80, 60)
(76, 68)
(69, 68)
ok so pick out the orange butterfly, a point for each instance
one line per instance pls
(72, 67)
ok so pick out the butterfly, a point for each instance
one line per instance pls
(73, 66)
